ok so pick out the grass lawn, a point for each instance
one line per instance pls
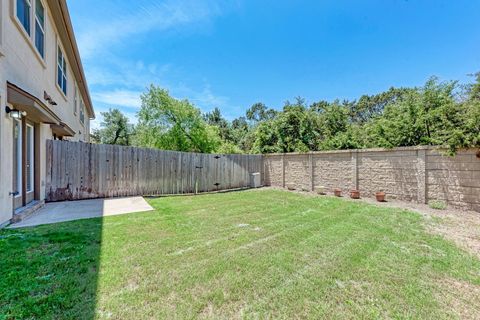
(251, 254)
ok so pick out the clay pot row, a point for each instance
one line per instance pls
(355, 194)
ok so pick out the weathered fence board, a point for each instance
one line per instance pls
(77, 170)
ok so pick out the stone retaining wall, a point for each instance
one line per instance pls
(418, 174)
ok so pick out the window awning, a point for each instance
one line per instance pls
(36, 110)
(62, 130)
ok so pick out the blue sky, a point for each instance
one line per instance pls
(233, 53)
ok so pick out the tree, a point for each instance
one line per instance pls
(171, 124)
(215, 118)
(293, 130)
(242, 135)
(114, 129)
(368, 107)
(425, 116)
(259, 112)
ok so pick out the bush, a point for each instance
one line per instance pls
(437, 204)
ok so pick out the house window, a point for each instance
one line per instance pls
(40, 27)
(82, 112)
(75, 101)
(62, 71)
(23, 13)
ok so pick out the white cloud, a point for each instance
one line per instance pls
(207, 98)
(116, 81)
(152, 16)
(119, 98)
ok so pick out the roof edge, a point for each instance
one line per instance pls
(61, 17)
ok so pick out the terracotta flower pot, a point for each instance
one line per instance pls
(380, 196)
(355, 194)
(337, 192)
(290, 186)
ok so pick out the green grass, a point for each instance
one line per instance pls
(437, 204)
(253, 254)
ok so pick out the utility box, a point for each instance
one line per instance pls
(255, 180)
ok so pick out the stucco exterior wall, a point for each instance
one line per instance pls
(21, 65)
(418, 174)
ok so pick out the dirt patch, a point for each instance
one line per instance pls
(459, 299)
(461, 227)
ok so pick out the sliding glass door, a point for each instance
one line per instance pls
(23, 163)
(17, 163)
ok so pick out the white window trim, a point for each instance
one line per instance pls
(59, 47)
(34, 9)
(32, 158)
(29, 37)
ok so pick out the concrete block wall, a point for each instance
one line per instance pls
(333, 170)
(297, 171)
(454, 180)
(417, 174)
(273, 170)
(394, 172)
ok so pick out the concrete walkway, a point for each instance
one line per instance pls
(75, 210)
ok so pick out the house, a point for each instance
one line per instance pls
(43, 95)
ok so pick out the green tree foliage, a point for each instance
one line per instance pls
(114, 129)
(216, 119)
(439, 113)
(296, 129)
(259, 112)
(171, 124)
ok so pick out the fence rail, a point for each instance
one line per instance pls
(77, 170)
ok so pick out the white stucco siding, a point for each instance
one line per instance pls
(21, 65)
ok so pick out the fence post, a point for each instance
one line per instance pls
(283, 170)
(312, 186)
(354, 154)
(422, 176)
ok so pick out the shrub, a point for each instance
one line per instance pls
(437, 204)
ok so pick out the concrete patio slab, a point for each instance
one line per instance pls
(75, 210)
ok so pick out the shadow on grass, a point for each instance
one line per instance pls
(51, 271)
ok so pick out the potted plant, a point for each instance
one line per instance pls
(354, 194)
(337, 192)
(320, 190)
(380, 196)
(290, 186)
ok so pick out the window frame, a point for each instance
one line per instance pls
(82, 112)
(29, 2)
(30, 37)
(75, 100)
(63, 66)
(43, 27)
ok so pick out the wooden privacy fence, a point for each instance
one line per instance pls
(77, 170)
